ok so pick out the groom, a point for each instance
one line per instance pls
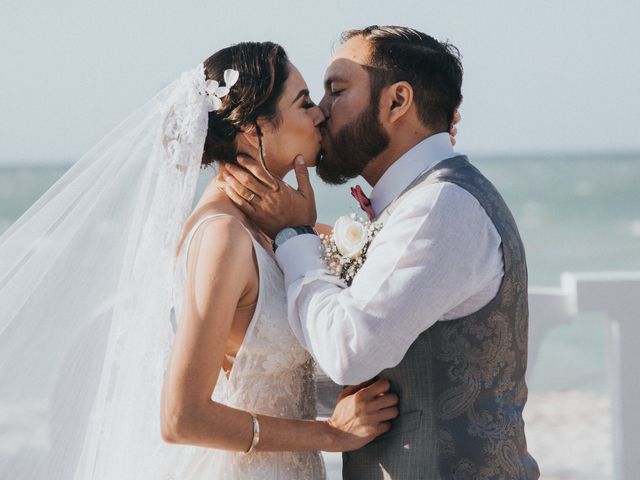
(440, 305)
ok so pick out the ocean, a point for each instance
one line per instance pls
(575, 213)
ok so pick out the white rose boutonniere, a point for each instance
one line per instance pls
(345, 250)
(350, 236)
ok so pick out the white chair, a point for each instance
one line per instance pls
(617, 296)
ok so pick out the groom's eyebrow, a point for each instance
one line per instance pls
(332, 79)
(301, 93)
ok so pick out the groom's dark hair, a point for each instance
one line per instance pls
(433, 69)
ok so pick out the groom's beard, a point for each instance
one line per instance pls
(353, 147)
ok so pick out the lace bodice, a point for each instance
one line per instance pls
(271, 374)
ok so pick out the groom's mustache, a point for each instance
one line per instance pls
(324, 133)
(326, 138)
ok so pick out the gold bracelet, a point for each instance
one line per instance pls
(256, 433)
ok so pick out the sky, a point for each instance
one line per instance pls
(540, 76)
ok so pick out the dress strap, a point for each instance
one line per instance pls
(202, 221)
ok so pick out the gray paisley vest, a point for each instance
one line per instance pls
(462, 382)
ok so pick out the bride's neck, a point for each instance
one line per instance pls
(215, 193)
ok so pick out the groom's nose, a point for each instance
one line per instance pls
(324, 106)
(318, 116)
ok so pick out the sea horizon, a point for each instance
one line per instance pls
(568, 154)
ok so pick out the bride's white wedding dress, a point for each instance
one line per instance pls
(271, 375)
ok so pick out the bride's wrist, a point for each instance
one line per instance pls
(332, 437)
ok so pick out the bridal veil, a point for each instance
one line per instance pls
(85, 298)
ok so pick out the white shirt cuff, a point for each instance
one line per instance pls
(299, 255)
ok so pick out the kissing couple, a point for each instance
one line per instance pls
(179, 342)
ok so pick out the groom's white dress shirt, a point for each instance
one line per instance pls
(438, 257)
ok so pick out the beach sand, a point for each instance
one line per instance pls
(569, 434)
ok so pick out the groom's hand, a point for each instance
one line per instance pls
(274, 204)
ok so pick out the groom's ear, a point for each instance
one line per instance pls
(399, 99)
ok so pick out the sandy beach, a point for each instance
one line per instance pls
(569, 434)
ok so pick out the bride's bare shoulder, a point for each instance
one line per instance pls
(226, 226)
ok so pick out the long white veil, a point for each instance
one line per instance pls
(85, 298)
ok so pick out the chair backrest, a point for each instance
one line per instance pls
(617, 296)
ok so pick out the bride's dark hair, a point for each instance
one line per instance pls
(263, 69)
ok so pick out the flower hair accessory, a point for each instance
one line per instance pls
(215, 92)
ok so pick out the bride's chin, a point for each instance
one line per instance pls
(314, 160)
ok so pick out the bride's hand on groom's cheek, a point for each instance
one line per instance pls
(270, 202)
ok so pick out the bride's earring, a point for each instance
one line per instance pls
(261, 150)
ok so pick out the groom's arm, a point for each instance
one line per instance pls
(437, 250)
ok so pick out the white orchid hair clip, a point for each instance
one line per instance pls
(215, 93)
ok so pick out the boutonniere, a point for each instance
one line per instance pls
(345, 250)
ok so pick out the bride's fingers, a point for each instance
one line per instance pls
(384, 427)
(452, 136)
(456, 117)
(385, 415)
(240, 202)
(351, 389)
(258, 171)
(348, 390)
(240, 189)
(383, 401)
(375, 389)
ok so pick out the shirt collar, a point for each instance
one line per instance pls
(421, 157)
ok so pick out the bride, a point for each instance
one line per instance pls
(90, 274)
(233, 301)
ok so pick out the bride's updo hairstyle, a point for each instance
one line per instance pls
(263, 71)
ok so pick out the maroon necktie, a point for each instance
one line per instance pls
(363, 200)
